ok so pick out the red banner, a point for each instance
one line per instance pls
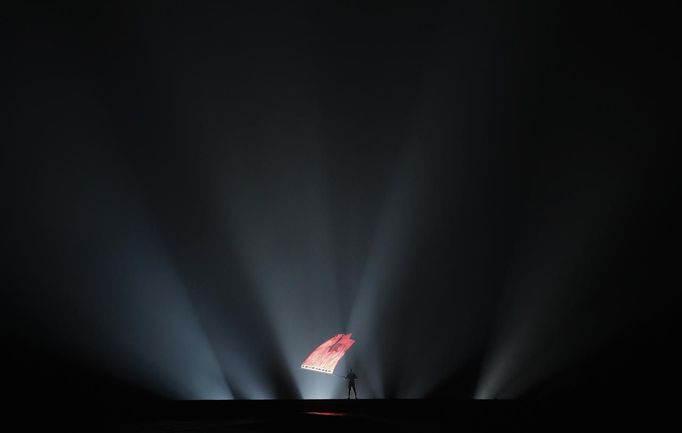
(328, 354)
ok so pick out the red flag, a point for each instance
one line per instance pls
(328, 354)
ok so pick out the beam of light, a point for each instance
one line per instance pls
(164, 329)
(386, 259)
(151, 333)
(118, 301)
(272, 189)
(545, 317)
(277, 214)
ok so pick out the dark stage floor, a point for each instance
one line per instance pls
(342, 415)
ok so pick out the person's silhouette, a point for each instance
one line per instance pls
(351, 377)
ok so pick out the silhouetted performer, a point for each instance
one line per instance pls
(350, 377)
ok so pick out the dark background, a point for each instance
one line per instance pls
(535, 121)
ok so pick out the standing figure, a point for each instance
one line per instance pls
(351, 377)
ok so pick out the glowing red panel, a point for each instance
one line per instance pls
(328, 354)
(327, 413)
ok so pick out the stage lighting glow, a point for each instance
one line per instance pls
(325, 357)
